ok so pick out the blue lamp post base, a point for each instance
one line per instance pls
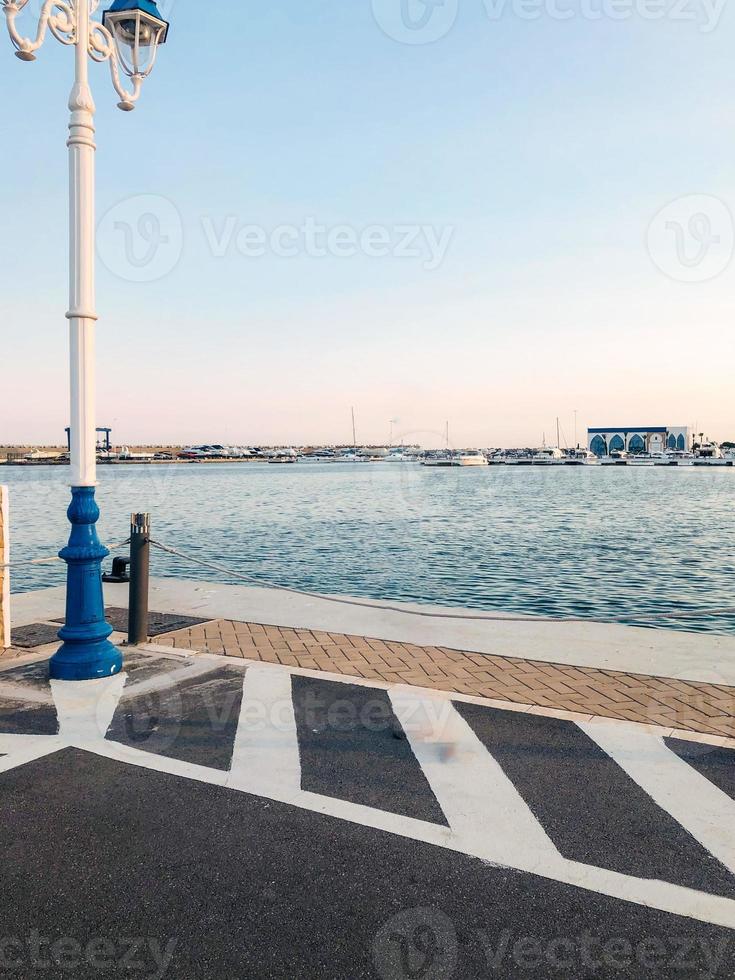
(86, 653)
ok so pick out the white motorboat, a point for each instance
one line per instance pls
(282, 456)
(469, 457)
(709, 454)
(581, 457)
(38, 456)
(641, 459)
(438, 459)
(618, 457)
(547, 456)
(677, 457)
(126, 453)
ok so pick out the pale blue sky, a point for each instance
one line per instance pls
(542, 149)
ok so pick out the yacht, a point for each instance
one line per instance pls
(618, 457)
(709, 454)
(548, 456)
(439, 459)
(282, 456)
(126, 453)
(320, 456)
(469, 457)
(677, 457)
(38, 456)
(581, 457)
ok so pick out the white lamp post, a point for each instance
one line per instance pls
(128, 38)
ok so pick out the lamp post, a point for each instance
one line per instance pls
(127, 38)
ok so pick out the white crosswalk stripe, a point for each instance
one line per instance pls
(483, 807)
(265, 756)
(487, 815)
(691, 799)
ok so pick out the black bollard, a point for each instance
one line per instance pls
(140, 550)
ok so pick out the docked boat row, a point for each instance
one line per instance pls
(703, 454)
(708, 454)
(466, 457)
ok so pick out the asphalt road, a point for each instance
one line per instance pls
(235, 886)
(150, 864)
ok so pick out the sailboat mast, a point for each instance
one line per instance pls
(354, 431)
(558, 440)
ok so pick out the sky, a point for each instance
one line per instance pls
(487, 212)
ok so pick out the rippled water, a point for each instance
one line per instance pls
(609, 543)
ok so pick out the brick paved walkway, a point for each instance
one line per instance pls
(682, 705)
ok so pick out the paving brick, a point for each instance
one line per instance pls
(705, 708)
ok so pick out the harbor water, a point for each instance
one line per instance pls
(605, 543)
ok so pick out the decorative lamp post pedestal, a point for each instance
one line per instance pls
(87, 652)
(127, 38)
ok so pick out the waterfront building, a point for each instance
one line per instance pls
(639, 439)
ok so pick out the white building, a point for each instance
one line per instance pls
(639, 439)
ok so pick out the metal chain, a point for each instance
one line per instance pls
(486, 617)
(48, 561)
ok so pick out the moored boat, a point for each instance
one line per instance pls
(469, 457)
(580, 457)
(618, 457)
(548, 456)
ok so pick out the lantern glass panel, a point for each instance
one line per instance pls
(137, 35)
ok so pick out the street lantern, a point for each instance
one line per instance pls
(86, 652)
(137, 28)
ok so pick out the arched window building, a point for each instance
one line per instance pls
(638, 439)
(598, 446)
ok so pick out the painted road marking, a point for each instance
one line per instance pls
(622, 827)
(485, 810)
(715, 764)
(265, 757)
(694, 802)
(268, 759)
